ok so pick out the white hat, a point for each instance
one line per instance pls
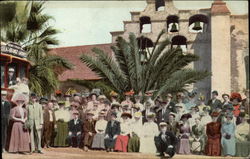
(4, 92)
(11, 70)
(163, 124)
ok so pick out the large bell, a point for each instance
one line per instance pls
(197, 26)
(174, 28)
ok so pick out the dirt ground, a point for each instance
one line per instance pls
(75, 153)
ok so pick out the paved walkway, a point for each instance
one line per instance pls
(74, 153)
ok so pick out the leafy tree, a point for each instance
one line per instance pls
(30, 28)
(164, 70)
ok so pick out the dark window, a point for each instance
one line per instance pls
(159, 5)
(197, 23)
(173, 23)
(179, 41)
(145, 24)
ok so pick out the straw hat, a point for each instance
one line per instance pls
(113, 94)
(163, 124)
(20, 97)
(101, 97)
(150, 115)
(137, 114)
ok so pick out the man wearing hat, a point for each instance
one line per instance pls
(11, 77)
(226, 99)
(115, 107)
(43, 101)
(113, 129)
(49, 125)
(213, 132)
(75, 129)
(136, 130)
(179, 111)
(172, 124)
(5, 115)
(62, 118)
(166, 107)
(214, 102)
(35, 119)
(166, 141)
(89, 130)
(100, 127)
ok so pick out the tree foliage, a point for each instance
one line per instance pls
(31, 29)
(164, 71)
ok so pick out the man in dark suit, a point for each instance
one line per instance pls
(214, 103)
(166, 107)
(113, 129)
(166, 141)
(75, 129)
(5, 113)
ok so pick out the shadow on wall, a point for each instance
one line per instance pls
(202, 48)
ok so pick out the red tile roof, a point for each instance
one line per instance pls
(73, 53)
(219, 7)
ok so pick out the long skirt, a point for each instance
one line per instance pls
(98, 141)
(147, 145)
(228, 146)
(183, 146)
(19, 140)
(242, 148)
(134, 144)
(121, 143)
(62, 134)
(213, 147)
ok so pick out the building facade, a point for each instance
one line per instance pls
(219, 38)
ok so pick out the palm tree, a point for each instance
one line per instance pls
(163, 71)
(30, 28)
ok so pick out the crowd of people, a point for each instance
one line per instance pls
(164, 126)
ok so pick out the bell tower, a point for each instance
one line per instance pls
(220, 48)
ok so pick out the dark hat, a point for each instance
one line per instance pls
(117, 105)
(215, 92)
(67, 95)
(33, 94)
(77, 94)
(229, 115)
(43, 100)
(225, 95)
(126, 115)
(187, 116)
(114, 114)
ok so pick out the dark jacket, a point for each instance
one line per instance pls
(5, 111)
(113, 130)
(162, 143)
(46, 117)
(217, 104)
(164, 117)
(74, 128)
(89, 126)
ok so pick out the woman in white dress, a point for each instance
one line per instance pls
(149, 131)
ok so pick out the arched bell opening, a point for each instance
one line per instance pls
(179, 41)
(145, 48)
(159, 5)
(145, 24)
(198, 23)
(173, 23)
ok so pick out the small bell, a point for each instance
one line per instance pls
(174, 28)
(197, 26)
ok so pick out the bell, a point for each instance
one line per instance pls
(174, 28)
(197, 26)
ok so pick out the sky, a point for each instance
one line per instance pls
(90, 22)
